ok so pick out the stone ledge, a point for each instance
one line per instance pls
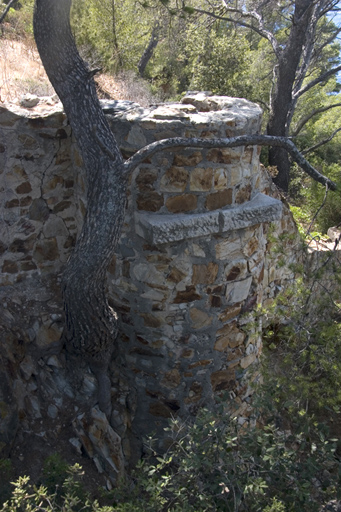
(161, 229)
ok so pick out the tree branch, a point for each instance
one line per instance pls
(243, 140)
(313, 113)
(321, 143)
(260, 30)
(9, 5)
(318, 80)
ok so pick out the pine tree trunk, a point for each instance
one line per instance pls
(281, 100)
(90, 328)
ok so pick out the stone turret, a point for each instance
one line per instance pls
(193, 262)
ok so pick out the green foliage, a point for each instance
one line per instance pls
(55, 472)
(6, 475)
(330, 214)
(219, 60)
(20, 21)
(304, 341)
(29, 498)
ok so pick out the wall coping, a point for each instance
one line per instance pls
(161, 229)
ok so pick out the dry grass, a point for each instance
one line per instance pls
(21, 72)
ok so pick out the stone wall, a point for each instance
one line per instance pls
(193, 262)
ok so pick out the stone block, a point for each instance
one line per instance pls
(24, 188)
(146, 178)
(223, 380)
(243, 194)
(200, 319)
(9, 267)
(171, 379)
(160, 229)
(236, 269)
(236, 175)
(229, 249)
(159, 409)
(152, 320)
(248, 360)
(228, 336)
(219, 199)
(224, 156)
(188, 295)
(201, 179)
(220, 179)
(136, 137)
(46, 250)
(182, 204)
(188, 160)
(205, 274)
(260, 209)
(55, 226)
(174, 180)
(229, 313)
(237, 291)
(149, 201)
(28, 142)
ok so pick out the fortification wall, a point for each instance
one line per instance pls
(193, 262)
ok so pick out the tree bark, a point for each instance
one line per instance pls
(91, 325)
(281, 100)
(148, 52)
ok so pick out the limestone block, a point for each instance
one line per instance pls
(160, 409)
(188, 160)
(243, 194)
(228, 336)
(220, 178)
(152, 320)
(171, 379)
(224, 156)
(28, 142)
(181, 204)
(150, 201)
(201, 179)
(47, 335)
(46, 250)
(174, 180)
(197, 251)
(238, 291)
(188, 295)
(9, 267)
(236, 269)
(29, 100)
(219, 199)
(248, 360)
(99, 439)
(24, 188)
(148, 274)
(159, 229)
(229, 313)
(28, 367)
(39, 210)
(199, 318)
(223, 380)
(136, 137)
(229, 249)
(205, 274)
(146, 178)
(55, 226)
(261, 208)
